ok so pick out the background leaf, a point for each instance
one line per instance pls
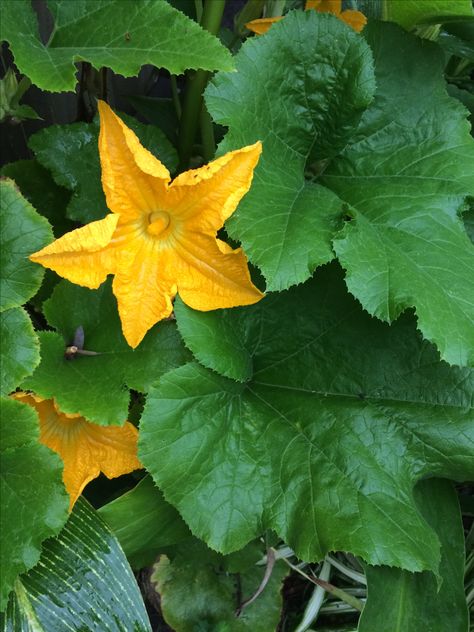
(144, 523)
(71, 153)
(197, 594)
(324, 443)
(303, 97)
(82, 582)
(33, 501)
(97, 387)
(22, 232)
(19, 349)
(411, 12)
(118, 34)
(409, 602)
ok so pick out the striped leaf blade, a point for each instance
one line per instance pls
(82, 582)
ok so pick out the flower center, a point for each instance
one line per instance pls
(158, 222)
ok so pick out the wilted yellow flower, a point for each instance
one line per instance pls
(86, 449)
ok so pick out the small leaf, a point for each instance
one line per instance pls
(144, 523)
(409, 602)
(195, 593)
(22, 232)
(82, 582)
(33, 501)
(71, 153)
(118, 34)
(326, 440)
(19, 349)
(97, 387)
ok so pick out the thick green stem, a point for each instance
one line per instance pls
(207, 135)
(211, 21)
(175, 96)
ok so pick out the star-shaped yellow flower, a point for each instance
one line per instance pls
(86, 449)
(161, 236)
(354, 19)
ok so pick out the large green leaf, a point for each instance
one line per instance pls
(97, 387)
(22, 232)
(197, 594)
(326, 440)
(401, 175)
(71, 153)
(144, 523)
(118, 34)
(19, 348)
(408, 13)
(33, 501)
(410, 602)
(82, 582)
(303, 97)
(38, 187)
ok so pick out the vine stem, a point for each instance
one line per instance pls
(193, 101)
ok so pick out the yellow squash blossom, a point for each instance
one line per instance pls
(354, 19)
(161, 236)
(86, 449)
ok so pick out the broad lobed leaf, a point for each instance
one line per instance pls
(327, 439)
(97, 387)
(19, 348)
(117, 34)
(71, 153)
(398, 173)
(22, 231)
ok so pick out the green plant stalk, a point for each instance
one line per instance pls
(175, 96)
(275, 9)
(211, 21)
(333, 590)
(207, 135)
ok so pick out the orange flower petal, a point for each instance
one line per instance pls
(206, 197)
(132, 178)
(81, 256)
(262, 25)
(354, 19)
(212, 275)
(144, 289)
(86, 449)
(325, 6)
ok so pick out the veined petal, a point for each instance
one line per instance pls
(144, 289)
(211, 275)
(204, 198)
(86, 449)
(262, 25)
(354, 19)
(82, 256)
(132, 178)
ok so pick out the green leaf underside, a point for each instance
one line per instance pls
(302, 85)
(82, 582)
(401, 174)
(117, 34)
(196, 593)
(327, 439)
(411, 12)
(22, 232)
(19, 348)
(144, 523)
(38, 187)
(71, 153)
(97, 387)
(399, 601)
(33, 502)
